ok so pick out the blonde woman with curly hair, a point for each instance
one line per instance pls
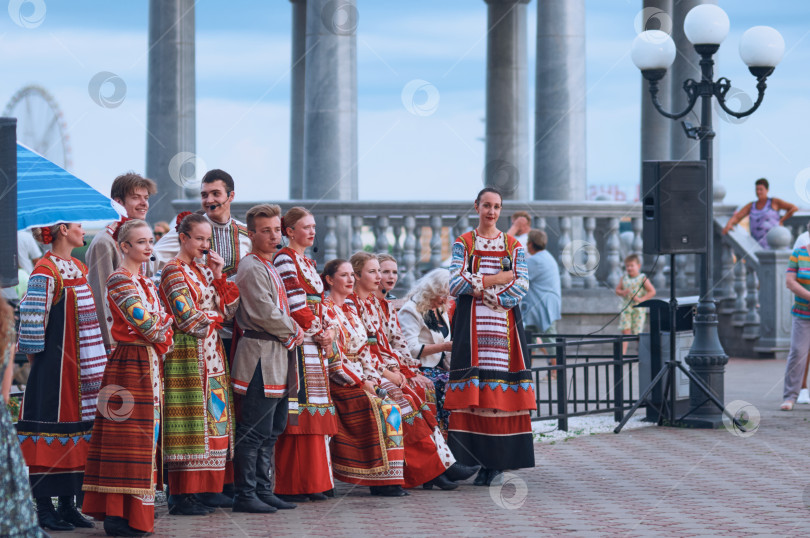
(425, 323)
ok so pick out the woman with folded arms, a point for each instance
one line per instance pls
(491, 392)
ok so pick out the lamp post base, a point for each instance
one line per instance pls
(706, 387)
(703, 423)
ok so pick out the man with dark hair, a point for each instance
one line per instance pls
(131, 191)
(763, 213)
(230, 237)
(260, 365)
(230, 240)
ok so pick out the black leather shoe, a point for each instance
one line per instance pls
(330, 493)
(388, 491)
(493, 475)
(317, 497)
(441, 482)
(251, 505)
(294, 498)
(199, 504)
(215, 500)
(275, 502)
(68, 512)
(483, 477)
(53, 522)
(184, 505)
(458, 472)
(118, 526)
(48, 518)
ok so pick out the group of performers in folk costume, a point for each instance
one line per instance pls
(223, 364)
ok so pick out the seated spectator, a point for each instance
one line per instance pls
(426, 326)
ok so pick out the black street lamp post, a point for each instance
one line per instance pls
(653, 52)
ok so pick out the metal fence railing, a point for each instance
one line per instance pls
(591, 376)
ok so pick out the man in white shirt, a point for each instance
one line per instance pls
(230, 240)
(230, 236)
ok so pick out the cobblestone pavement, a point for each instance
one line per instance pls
(648, 482)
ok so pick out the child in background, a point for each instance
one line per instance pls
(633, 288)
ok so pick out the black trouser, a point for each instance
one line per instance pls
(260, 423)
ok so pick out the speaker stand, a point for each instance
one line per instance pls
(668, 371)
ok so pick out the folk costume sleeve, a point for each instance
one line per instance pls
(177, 297)
(296, 294)
(354, 309)
(396, 339)
(371, 366)
(227, 296)
(509, 295)
(123, 297)
(462, 280)
(342, 371)
(380, 317)
(35, 309)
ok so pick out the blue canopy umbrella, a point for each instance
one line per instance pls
(48, 194)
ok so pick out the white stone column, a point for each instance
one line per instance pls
(506, 164)
(297, 101)
(171, 103)
(559, 137)
(655, 128)
(686, 66)
(330, 115)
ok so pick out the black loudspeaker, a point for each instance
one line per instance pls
(674, 198)
(8, 202)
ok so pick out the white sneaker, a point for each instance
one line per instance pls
(804, 397)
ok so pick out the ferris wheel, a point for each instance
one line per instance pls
(40, 124)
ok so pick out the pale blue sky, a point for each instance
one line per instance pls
(243, 59)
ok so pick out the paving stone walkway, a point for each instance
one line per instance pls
(647, 482)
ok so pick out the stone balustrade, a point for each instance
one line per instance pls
(589, 240)
(598, 235)
(753, 301)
